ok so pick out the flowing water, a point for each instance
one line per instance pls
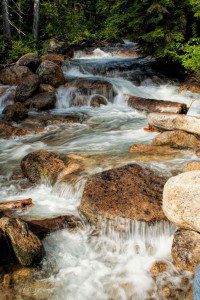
(112, 264)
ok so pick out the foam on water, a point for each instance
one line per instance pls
(114, 265)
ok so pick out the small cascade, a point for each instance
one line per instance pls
(6, 96)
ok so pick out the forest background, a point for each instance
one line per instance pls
(168, 30)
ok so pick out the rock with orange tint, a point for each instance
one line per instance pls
(131, 192)
(151, 105)
(186, 249)
(158, 268)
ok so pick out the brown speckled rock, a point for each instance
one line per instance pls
(51, 73)
(27, 247)
(27, 88)
(42, 101)
(131, 192)
(186, 249)
(176, 139)
(16, 112)
(14, 75)
(42, 164)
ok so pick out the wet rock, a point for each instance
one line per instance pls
(170, 122)
(181, 202)
(176, 139)
(27, 88)
(79, 101)
(41, 228)
(192, 166)
(46, 88)
(158, 267)
(27, 247)
(7, 255)
(150, 105)
(30, 60)
(14, 75)
(130, 192)
(8, 130)
(42, 101)
(98, 100)
(51, 73)
(88, 87)
(55, 58)
(193, 87)
(43, 164)
(186, 249)
(155, 152)
(16, 112)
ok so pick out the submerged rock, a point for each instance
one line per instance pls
(27, 88)
(30, 60)
(98, 100)
(151, 105)
(42, 101)
(186, 249)
(181, 202)
(14, 75)
(16, 112)
(130, 192)
(176, 139)
(156, 152)
(8, 130)
(51, 73)
(169, 122)
(26, 246)
(42, 164)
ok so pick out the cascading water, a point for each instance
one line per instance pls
(111, 264)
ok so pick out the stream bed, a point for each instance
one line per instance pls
(111, 264)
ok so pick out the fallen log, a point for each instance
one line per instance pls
(41, 228)
(151, 105)
(16, 205)
(164, 122)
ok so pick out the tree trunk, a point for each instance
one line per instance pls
(6, 22)
(36, 13)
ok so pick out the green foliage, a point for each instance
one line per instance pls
(166, 29)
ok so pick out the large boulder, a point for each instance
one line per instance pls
(16, 112)
(181, 202)
(151, 105)
(14, 75)
(169, 122)
(42, 101)
(131, 192)
(27, 88)
(176, 139)
(51, 73)
(30, 60)
(186, 249)
(55, 58)
(42, 164)
(27, 247)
